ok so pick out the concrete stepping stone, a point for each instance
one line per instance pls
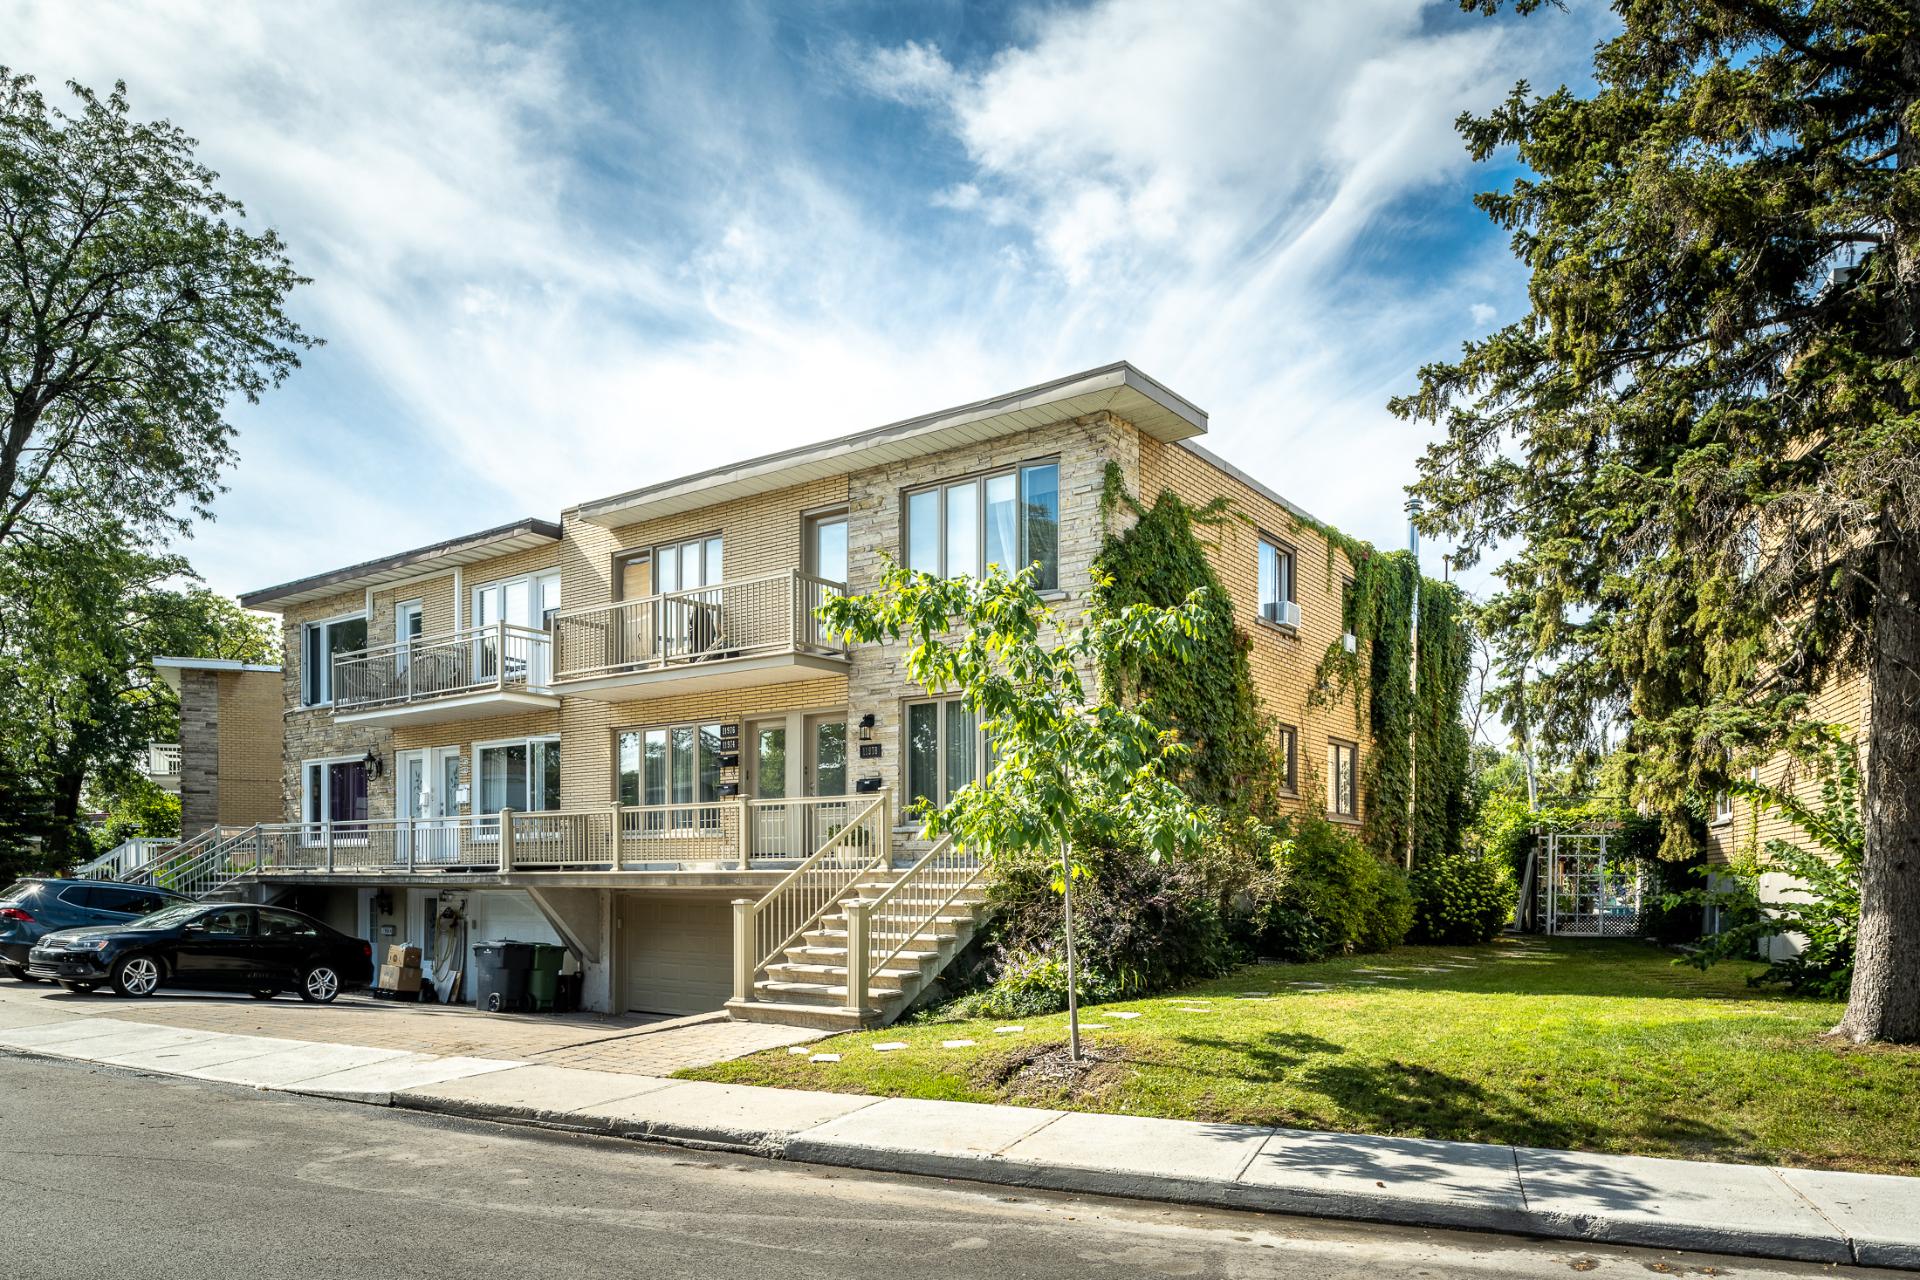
(1007, 1031)
(799, 1050)
(956, 1044)
(1087, 1026)
(890, 1046)
(1123, 1016)
(824, 1057)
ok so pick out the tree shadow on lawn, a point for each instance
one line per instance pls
(1401, 1098)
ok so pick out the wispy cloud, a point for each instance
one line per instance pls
(561, 254)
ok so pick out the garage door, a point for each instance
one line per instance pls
(679, 955)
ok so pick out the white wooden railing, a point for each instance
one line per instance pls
(778, 613)
(764, 929)
(163, 760)
(500, 656)
(908, 910)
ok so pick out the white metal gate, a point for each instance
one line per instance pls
(1588, 894)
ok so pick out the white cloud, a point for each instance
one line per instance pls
(539, 288)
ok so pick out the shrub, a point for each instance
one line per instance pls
(1461, 898)
(1333, 897)
(1031, 983)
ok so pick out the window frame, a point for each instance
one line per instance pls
(536, 580)
(476, 783)
(308, 670)
(706, 541)
(1285, 551)
(1722, 807)
(1351, 813)
(680, 818)
(979, 479)
(313, 828)
(810, 523)
(403, 638)
(1289, 751)
(982, 756)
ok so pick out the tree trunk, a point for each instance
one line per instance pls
(1884, 1003)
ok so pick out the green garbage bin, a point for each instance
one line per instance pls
(543, 978)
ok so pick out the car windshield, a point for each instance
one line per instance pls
(167, 917)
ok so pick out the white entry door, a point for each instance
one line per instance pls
(428, 797)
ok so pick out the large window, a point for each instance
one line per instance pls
(320, 642)
(682, 566)
(334, 791)
(945, 749)
(827, 546)
(1287, 756)
(523, 776)
(676, 764)
(1009, 518)
(1276, 583)
(1341, 757)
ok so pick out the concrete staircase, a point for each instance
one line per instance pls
(905, 927)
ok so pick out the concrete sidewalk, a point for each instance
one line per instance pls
(1735, 1209)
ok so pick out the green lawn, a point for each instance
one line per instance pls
(1602, 1046)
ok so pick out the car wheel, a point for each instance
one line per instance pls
(320, 984)
(137, 976)
(18, 974)
(263, 995)
(78, 988)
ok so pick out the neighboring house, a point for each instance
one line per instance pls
(606, 731)
(226, 766)
(1738, 830)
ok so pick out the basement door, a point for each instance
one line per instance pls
(679, 954)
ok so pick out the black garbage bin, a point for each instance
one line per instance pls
(500, 976)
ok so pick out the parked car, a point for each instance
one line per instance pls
(210, 947)
(32, 908)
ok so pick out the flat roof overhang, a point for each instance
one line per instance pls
(438, 557)
(1118, 388)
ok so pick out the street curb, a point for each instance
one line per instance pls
(999, 1171)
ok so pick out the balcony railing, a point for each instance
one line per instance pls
(163, 760)
(753, 617)
(724, 834)
(500, 657)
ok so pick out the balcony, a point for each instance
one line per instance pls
(732, 835)
(755, 631)
(480, 671)
(162, 765)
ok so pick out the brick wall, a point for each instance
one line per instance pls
(1285, 661)
(1747, 832)
(250, 747)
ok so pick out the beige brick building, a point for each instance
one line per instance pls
(608, 730)
(226, 766)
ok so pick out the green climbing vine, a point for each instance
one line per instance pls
(1159, 561)
(1417, 756)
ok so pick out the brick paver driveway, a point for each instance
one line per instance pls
(632, 1043)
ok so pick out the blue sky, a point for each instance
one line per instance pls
(560, 251)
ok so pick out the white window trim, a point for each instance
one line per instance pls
(403, 643)
(1290, 763)
(979, 479)
(1291, 596)
(1333, 781)
(1722, 808)
(473, 774)
(533, 579)
(305, 628)
(311, 829)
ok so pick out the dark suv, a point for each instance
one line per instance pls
(30, 908)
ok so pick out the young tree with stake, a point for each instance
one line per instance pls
(1072, 764)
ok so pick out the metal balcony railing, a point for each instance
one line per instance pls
(498, 657)
(750, 618)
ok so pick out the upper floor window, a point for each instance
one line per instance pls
(827, 546)
(408, 621)
(320, 642)
(683, 566)
(1276, 584)
(1723, 806)
(1009, 518)
(519, 602)
(1341, 759)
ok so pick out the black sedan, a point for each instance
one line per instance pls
(208, 947)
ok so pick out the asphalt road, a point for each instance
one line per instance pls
(111, 1175)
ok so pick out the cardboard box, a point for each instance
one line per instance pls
(403, 957)
(401, 978)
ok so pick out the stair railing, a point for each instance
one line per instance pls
(209, 862)
(124, 859)
(764, 929)
(177, 854)
(905, 911)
